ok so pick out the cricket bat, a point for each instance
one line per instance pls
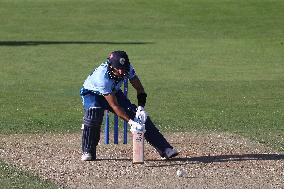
(138, 147)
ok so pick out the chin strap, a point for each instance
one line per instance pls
(114, 77)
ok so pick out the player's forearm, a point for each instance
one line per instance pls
(137, 85)
(120, 113)
(112, 101)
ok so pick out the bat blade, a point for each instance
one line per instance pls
(138, 147)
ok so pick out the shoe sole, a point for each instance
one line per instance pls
(89, 158)
(166, 158)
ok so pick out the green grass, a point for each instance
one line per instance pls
(215, 65)
(12, 177)
(206, 65)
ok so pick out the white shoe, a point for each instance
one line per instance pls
(87, 156)
(169, 153)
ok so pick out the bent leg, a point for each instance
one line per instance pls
(152, 134)
(91, 132)
(155, 137)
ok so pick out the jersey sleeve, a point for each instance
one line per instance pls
(105, 89)
(98, 82)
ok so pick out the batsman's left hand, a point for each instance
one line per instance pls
(141, 114)
(135, 126)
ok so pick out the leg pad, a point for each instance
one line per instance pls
(91, 131)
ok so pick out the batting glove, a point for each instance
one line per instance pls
(141, 115)
(136, 126)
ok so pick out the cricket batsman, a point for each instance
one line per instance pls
(101, 91)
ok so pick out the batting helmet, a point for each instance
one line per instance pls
(119, 60)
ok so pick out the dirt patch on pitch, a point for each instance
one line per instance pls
(208, 160)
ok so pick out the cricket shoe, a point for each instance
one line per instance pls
(169, 153)
(87, 157)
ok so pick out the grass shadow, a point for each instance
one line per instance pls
(35, 43)
(218, 158)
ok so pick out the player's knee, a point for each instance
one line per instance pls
(93, 117)
(150, 126)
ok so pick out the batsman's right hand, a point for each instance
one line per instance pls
(135, 126)
(141, 115)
